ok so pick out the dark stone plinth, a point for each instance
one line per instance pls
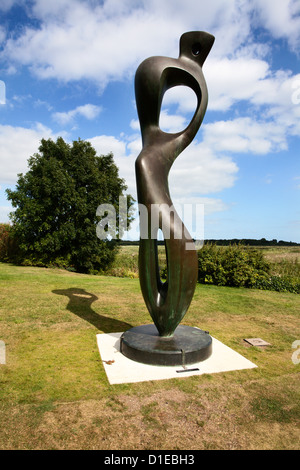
(188, 345)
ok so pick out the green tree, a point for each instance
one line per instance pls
(56, 202)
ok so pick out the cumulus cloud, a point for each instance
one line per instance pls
(281, 18)
(106, 41)
(272, 98)
(168, 122)
(105, 144)
(17, 144)
(2, 34)
(5, 5)
(4, 211)
(181, 97)
(80, 41)
(197, 172)
(124, 153)
(200, 171)
(232, 80)
(244, 135)
(89, 111)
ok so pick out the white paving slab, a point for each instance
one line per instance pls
(119, 369)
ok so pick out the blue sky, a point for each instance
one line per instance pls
(67, 69)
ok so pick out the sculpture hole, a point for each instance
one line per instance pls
(178, 108)
(162, 256)
(196, 49)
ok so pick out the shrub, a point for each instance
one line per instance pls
(8, 243)
(233, 265)
(239, 266)
(279, 284)
(4, 241)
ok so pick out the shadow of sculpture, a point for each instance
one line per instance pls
(80, 302)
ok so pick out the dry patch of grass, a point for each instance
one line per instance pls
(217, 415)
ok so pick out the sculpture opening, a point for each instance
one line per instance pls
(162, 257)
(178, 108)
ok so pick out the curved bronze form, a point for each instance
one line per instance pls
(168, 301)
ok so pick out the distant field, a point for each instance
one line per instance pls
(290, 253)
(271, 252)
(284, 260)
(54, 392)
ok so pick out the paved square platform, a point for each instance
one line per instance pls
(119, 369)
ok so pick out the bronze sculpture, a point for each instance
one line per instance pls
(167, 301)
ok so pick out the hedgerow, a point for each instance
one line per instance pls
(239, 266)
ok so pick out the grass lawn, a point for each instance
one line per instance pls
(54, 393)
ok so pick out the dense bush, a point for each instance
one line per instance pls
(279, 284)
(239, 266)
(4, 241)
(231, 266)
(10, 251)
(8, 243)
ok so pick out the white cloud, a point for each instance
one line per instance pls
(167, 122)
(135, 124)
(281, 18)
(77, 41)
(232, 80)
(39, 103)
(182, 97)
(124, 157)
(199, 170)
(4, 211)
(17, 144)
(272, 114)
(5, 5)
(244, 135)
(172, 123)
(210, 204)
(2, 34)
(103, 42)
(196, 172)
(46, 10)
(89, 111)
(105, 144)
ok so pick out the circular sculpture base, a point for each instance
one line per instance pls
(188, 345)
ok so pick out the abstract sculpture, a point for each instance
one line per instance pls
(166, 343)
